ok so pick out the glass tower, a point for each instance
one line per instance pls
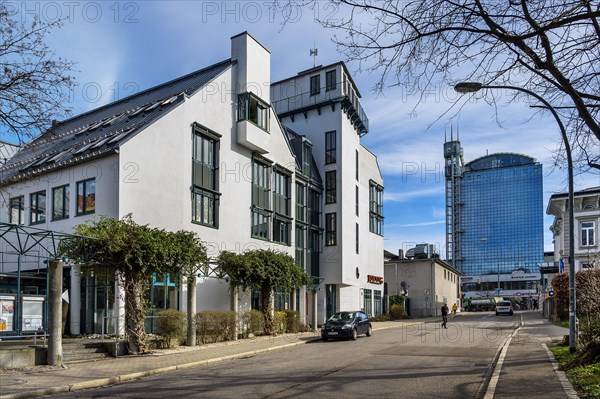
(494, 214)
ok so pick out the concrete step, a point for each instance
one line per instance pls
(83, 351)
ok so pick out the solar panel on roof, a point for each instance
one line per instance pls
(85, 129)
(120, 136)
(151, 107)
(85, 147)
(111, 120)
(58, 156)
(169, 101)
(101, 142)
(139, 111)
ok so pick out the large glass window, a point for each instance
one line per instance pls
(17, 209)
(37, 206)
(281, 206)
(300, 202)
(330, 187)
(587, 234)
(205, 177)
(60, 202)
(368, 302)
(86, 196)
(261, 207)
(315, 85)
(330, 80)
(377, 302)
(330, 150)
(306, 157)
(301, 245)
(330, 229)
(253, 109)
(375, 208)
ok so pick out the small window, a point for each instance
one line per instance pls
(330, 147)
(86, 196)
(587, 234)
(60, 202)
(315, 85)
(330, 187)
(330, 229)
(330, 80)
(357, 238)
(17, 210)
(37, 206)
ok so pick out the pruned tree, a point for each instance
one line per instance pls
(551, 47)
(134, 252)
(34, 83)
(264, 270)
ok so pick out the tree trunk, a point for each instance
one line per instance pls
(135, 312)
(267, 309)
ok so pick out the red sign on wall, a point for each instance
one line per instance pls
(374, 279)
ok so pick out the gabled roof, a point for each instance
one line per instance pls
(99, 132)
(296, 141)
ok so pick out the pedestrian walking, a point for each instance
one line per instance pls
(444, 315)
(454, 309)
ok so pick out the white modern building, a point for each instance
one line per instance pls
(587, 218)
(206, 152)
(323, 105)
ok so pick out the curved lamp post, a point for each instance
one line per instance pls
(472, 87)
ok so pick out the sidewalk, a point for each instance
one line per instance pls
(526, 371)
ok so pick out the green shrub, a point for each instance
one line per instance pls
(215, 326)
(382, 317)
(280, 322)
(171, 325)
(253, 323)
(397, 311)
(292, 321)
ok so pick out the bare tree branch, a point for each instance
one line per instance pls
(34, 83)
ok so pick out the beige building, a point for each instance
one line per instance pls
(427, 283)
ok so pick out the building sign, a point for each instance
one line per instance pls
(374, 279)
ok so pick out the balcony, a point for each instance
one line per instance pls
(343, 93)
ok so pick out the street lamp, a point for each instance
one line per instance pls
(472, 87)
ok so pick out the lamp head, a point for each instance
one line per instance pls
(468, 87)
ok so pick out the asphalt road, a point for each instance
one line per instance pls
(423, 361)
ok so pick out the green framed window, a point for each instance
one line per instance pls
(37, 207)
(86, 196)
(60, 202)
(253, 109)
(205, 177)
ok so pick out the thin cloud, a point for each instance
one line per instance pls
(411, 195)
(424, 223)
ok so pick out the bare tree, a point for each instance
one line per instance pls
(34, 84)
(551, 47)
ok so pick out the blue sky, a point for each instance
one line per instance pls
(123, 47)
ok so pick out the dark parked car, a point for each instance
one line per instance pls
(346, 325)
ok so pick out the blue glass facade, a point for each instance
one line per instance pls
(500, 216)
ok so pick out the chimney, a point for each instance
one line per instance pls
(401, 254)
(253, 66)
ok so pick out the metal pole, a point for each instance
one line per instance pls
(572, 292)
(19, 306)
(472, 87)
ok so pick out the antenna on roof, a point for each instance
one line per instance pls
(451, 133)
(313, 53)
